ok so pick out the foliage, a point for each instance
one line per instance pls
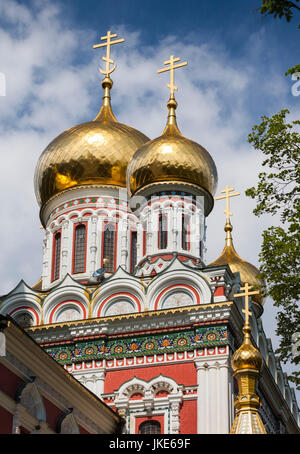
(277, 192)
(280, 9)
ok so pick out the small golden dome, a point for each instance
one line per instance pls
(248, 272)
(95, 152)
(172, 158)
(247, 356)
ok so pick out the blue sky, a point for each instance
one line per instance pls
(237, 60)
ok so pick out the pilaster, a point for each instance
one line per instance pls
(213, 395)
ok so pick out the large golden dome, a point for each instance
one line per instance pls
(95, 152)
(248, 272)
(172, 158)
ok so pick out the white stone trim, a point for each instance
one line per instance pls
(213, 409)
(148, 405)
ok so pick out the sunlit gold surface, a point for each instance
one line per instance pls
(247, 356)
(172, 157)
(96, 152)
(248, 272)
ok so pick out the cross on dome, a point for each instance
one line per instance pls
(171, 69)
(246, 294)
(228, 193)
(107, 59)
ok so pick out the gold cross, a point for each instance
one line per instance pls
(246, 295)
(227, 195)
(171, 69)
(107, 59)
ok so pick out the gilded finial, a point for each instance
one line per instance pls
(246, 364)
(108, 70)
(106, 113)
(228, 193)
(246, 294)
(172, 104)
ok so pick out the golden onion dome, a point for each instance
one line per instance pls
(248, 272)
(92, 153)
(172, 158)
(247, 356)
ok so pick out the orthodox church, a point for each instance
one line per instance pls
(126, 304)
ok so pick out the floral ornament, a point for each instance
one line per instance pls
(134, 347)
(211, 336)
(181, 341)
(150, 344)
(165, 343)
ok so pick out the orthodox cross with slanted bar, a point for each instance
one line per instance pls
(107, 59)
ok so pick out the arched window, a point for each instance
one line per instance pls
(133, 252)
(150, 427)
(162, 231)
(109, 248)
(56, 256)
(79, 249)
(185, 234)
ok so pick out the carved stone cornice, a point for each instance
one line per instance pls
(150, 321)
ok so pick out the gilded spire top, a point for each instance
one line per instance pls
(228, 193)
(172, 104)
(107, 59)
(106, 113)
(246, 364)
(171, 68)
(246, 294)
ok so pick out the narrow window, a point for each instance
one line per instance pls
(56, 256)
(109, 248)
(144, 238)
(150, 427)
(162, 231)
(79, 249)
(185, 233)
(133, 252)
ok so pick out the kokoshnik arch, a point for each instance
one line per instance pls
(126, 303)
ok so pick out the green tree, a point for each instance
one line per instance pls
(278, 191)
(280, 9)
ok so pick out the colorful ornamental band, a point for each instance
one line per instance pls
(143, 345)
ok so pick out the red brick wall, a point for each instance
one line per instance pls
(182, 373)
(188, 417)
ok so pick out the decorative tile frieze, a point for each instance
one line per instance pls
(140, 345)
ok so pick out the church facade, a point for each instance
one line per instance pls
(126, 303)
